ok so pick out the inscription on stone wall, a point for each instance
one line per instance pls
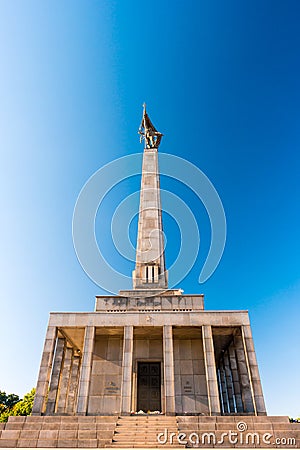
(187, 387)
(111, 389)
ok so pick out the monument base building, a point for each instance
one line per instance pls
(161, 353)
(149, 363)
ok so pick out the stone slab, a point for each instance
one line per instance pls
(8, 443)
(45, 443)
(19, 419)
(69, 426)
(29, 434)
(87, 443)
(10, 434)
(27, 443)
(12, 425)
(32, 426)
(67, 443)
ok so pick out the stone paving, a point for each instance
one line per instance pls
(150, 432)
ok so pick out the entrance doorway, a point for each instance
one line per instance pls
(149, 386)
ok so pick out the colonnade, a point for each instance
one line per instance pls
(233, 383)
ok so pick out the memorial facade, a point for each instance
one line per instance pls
(150, 348)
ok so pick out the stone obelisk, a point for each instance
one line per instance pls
(150, 271)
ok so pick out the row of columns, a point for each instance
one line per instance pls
(238, 377)
(229, 383)
(233, 387)
(58, 380)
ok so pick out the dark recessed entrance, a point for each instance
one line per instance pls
(148, 386)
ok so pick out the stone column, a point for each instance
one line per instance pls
(169, 370)
(55, 377)
(254, 373)
(223, 387)
(127, 370)
(45, 372)
(235, 380)
(245, 383)
(229, 383)
(220, 390)
(73, 387)
(85, 372)
(64, 382)
(210, 370)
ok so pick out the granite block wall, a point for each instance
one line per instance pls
(106, 376)
(190, 380)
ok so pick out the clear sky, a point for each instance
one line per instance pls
(221, 81)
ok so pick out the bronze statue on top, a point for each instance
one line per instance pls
(148, 132)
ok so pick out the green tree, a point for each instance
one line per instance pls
(5, 415)
(11, 405)
(24, 407)
(8, 400)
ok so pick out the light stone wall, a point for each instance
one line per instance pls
(147, 349)
(190, 379)
(106, 376)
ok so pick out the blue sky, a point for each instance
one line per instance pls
(221, 80)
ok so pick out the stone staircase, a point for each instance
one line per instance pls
(244, 431)
(58, 431)
(142, 432)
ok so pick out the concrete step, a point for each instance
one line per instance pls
(138, 436)
(142, 431)
(138, 433)
(132, 438)
(150, 418)
(136, 417)
(145, 446)
(146, 421)
(147, 425)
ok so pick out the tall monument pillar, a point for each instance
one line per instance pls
(150, 271)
